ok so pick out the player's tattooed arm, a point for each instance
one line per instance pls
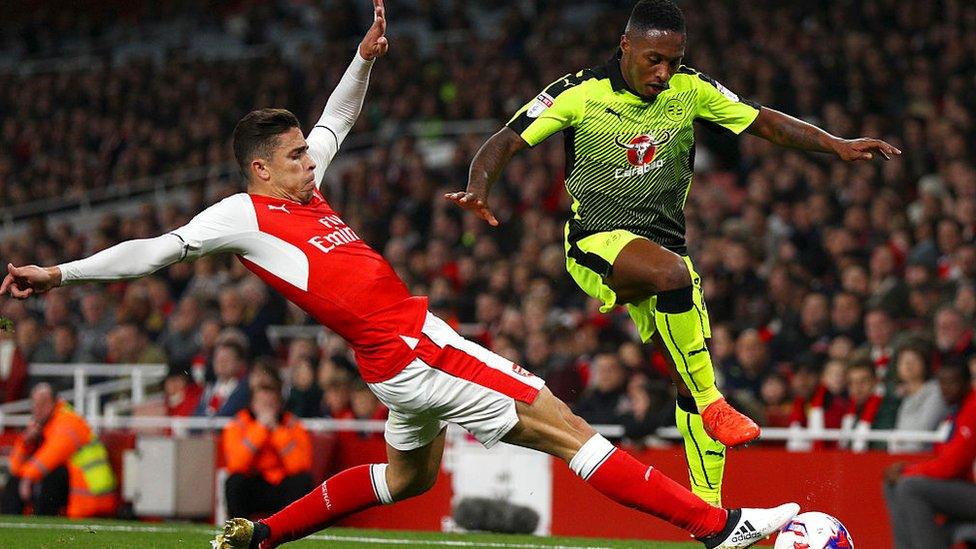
(788, 131)
(486, 168)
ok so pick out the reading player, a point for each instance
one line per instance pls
(283, 230)
(629, 134)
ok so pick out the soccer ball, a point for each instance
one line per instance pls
(814, 530)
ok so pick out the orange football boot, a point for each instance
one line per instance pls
(727, 425)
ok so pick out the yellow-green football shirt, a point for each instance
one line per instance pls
(629, 160)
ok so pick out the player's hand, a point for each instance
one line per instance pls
(23, 282)
(473, 203)
(375, 44)
(893, 472)
(864, 148)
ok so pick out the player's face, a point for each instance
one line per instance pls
(650, 59)
(291, 169)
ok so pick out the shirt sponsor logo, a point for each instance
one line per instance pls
(539, 105)
(640, 153)
(340, 234)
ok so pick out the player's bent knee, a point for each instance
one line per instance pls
(414, 483)
(675, 274)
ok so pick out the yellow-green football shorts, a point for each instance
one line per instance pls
(589, 261)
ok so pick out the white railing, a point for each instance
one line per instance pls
(86, 398)
(181, 426)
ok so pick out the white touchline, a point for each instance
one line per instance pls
(449, 543)
(325, 537)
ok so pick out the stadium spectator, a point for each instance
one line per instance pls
(606, 399)
(304, 395)
(943, 485)
(180, 394)
(745, 372)
(337, 394)
(864, 405)
(921, 407)
(127, 343)
(879, 329)
(362, 405)
(777, 407)
(30, 340)
(13, 368)
(229, 392)
(96, 322)
(845, 317)
(178, 339)
(58, 464)
(269, 456)
(953, 337)
(809, 332)
(63, 346)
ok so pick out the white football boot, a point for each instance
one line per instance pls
(748, 526)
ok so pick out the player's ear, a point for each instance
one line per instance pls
(624, 43)
(260, 169)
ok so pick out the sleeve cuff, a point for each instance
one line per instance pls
(360, 66)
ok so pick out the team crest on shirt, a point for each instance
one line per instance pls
(640, 151)
(674, 110)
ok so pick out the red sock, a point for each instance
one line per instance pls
(346, 493)
(617, 475)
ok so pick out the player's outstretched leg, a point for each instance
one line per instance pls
(644, 269)
(549, 426)
(408, 473)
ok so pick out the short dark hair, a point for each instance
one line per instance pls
(662, 15)
(257, 135)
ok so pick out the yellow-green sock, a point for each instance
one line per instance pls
(706, 457)
(682, 327)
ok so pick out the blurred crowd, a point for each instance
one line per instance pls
(836, 292)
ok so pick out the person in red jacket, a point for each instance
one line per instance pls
(269, 456)
(942, 485)
(863, 404)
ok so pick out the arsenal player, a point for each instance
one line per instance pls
(284, 230)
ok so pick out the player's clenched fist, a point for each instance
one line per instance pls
(23, 282)
(375, 44)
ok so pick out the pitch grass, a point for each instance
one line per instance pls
(42, 533)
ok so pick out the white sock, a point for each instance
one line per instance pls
(591, 456)
(377, 471)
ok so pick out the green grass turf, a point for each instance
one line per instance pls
(18, 532)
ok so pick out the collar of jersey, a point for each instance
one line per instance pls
(617, 81)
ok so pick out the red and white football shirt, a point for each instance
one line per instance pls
(306, 252)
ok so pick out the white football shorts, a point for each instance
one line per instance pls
(453, 380)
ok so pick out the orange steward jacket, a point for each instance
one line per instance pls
(66, 440)
(251, 448)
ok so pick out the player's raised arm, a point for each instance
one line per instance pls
(556, 108)
(486, 167)
(223, 227)
(788, 131)
(129, 259)
(344, 105)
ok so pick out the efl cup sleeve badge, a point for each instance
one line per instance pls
(539, 105)
(727, 92)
